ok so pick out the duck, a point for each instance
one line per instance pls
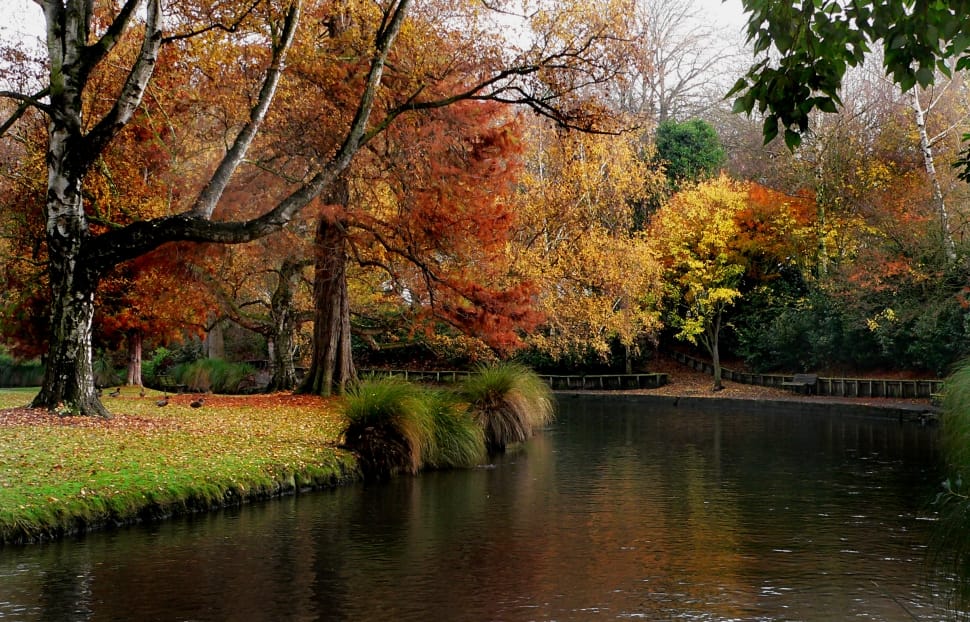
(141, 393)
(197, 403)
(115, 393)
(162, 402)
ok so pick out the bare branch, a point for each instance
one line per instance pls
(230, 28)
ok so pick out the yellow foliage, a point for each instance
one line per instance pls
(598, 281)
(693, 235)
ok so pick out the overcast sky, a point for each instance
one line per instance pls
(24, 16)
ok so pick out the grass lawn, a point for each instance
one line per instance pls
(61, 474)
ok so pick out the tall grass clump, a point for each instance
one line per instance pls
(459, 442)
(956, 419)
(509, 402)
(390, 427)
(951, 544)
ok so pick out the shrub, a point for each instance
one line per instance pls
(20, 374)
(213, 375)
(105, 373)
(390, 426)
(157, 365)
(509, 402)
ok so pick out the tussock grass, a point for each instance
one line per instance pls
(509, 402)
(61, 475)
(951, 545)
(956, 419)
(459, 442)
(390, 427)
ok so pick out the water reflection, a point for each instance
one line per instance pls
(616, 512)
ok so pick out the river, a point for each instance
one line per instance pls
(618, 511)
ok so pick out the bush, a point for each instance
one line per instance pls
(213, 375)
(157, 365)
(509, 402)
(459, 442)
(105, 373)
(20, 374)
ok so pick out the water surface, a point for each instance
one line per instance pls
(617, 512)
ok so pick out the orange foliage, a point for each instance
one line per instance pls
(773, 229)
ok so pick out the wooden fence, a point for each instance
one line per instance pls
(556, 382)
(838, 387)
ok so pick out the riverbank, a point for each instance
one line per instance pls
(66, 475)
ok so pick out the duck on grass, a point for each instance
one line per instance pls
(397, 427)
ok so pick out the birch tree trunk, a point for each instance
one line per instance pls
(283, 325)
(926, 149)
(69, 379)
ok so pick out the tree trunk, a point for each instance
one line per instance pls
(926, 148)
(332, 366)
(710, 341)
(282, 329)
(821, 196)
(69, 380)
(134, 358)
(716, 362)
(282, 368)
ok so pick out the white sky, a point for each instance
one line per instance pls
(21, 17)
(24, 16)
(727, 13)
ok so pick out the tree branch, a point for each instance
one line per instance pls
(26, 101)
(131, 93)
(113, 247)
(230, 28)
(205, 203)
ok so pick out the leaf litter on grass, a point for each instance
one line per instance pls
(237, 442)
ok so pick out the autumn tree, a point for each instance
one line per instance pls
(85, 41)
(597, 279)
(426, 206)
(430, 215)
(694, 232)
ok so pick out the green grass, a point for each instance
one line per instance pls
(61, 475)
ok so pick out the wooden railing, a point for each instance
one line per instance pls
(838, 387)
(557, 382)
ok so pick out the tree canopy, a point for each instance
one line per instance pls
(805, 47)
(690, 151)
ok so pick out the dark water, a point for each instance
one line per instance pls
(618, 512)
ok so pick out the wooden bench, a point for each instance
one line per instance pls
(802, 381)
(167, 383)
